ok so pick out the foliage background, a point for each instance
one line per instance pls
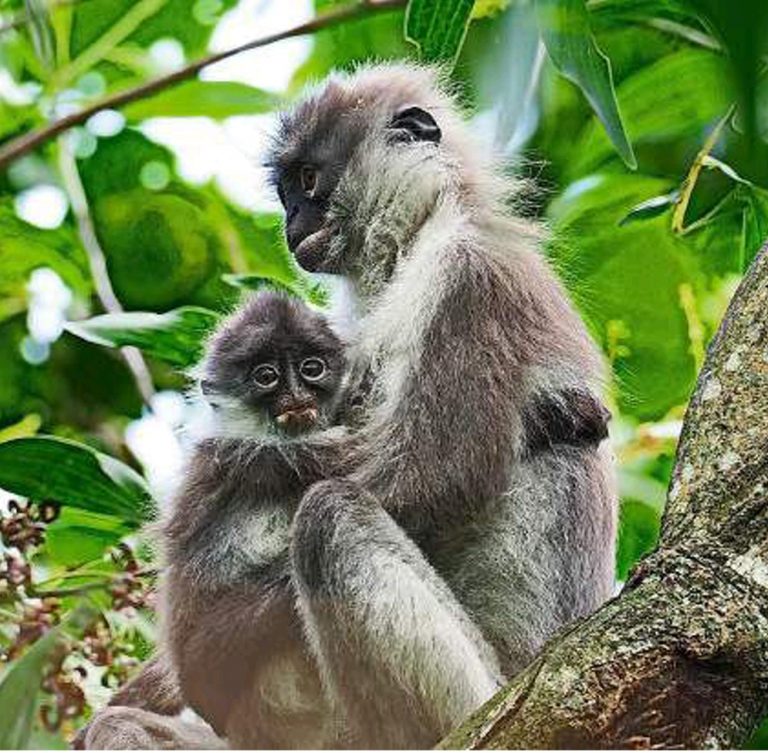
(650, 169)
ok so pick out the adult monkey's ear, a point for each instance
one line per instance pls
(415, 124)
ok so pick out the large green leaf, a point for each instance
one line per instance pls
(572, 46)
(176, 336)
(742, 29)
(213, 99)
(438, 27)
(73, 474)
(20, 682)
(675, 97)
(497, 68)
(628, 282)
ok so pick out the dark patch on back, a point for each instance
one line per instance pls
(569, 416)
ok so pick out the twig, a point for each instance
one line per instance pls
(686, 191)
(98, 264)
(45, 593)
(29, 141)
(58, 593)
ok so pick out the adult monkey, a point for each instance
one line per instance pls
(479, 516)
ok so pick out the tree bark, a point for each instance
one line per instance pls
(680, 657)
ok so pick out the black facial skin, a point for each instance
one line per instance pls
(306, 177)
(279, 359)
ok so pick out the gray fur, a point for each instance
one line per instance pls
(475, 514)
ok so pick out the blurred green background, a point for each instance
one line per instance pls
(642, 125)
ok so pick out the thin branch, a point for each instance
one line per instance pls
(686, 191)
(44, 593)
(29, 141)
(98, 264)
(58, 593)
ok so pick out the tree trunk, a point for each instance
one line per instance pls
(680, 657)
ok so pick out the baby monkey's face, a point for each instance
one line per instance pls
(274, 365)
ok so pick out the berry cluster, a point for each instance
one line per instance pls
(22, 533)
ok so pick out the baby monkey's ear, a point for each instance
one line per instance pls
(414, 124)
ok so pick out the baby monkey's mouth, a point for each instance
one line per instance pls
(298, 420)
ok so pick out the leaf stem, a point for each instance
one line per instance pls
(98, 263)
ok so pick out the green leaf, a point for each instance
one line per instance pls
(759, 740)
(627, 281)
(177, 336)
(20, 682)
(213, 99)
(570, 43)
(19, 687)
(73, 474)
(438, 27)
(639, 526)
(742, 30)
(313, 292)
(78, 536)
(676, 97)
(652, 207)
(499, 65)
(160, 247)
(732, 233)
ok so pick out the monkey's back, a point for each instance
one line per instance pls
(522, 520)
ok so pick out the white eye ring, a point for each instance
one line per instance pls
(266, 376)
(313, 369)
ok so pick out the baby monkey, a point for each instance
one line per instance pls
(274, 374)
(274, 367)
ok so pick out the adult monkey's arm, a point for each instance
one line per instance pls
(680, 658)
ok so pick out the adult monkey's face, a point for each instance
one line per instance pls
(318, 163)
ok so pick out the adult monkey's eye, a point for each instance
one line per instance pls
(308, 177)
(266, 376)
(312, 369)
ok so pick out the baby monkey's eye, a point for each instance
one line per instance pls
(266, 376)
(308, 177)
(313, 369)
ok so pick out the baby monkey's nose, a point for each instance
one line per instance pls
(298, 419)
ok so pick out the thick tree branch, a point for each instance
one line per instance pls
(680, 658)
(29, 141)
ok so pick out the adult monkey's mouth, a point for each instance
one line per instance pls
(313, 250)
